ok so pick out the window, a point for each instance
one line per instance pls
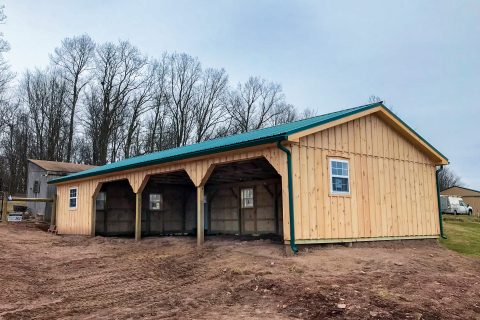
(247, 198)
(36, 187)
(72, 204)
(339, 177)
(101, 200)
(156, 201)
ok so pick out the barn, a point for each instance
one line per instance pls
(39, 173)
(359, 174)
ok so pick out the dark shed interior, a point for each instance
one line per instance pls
(241, 198)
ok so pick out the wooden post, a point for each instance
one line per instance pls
(138, 216)
(200, 216)
(53, 218)
(5, 207)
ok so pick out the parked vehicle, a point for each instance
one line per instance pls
(454, 205)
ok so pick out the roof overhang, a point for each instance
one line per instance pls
(389, 117)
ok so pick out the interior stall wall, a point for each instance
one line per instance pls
(175, 216)
(225, 215)
(118, 217)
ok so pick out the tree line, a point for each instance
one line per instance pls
(96, 103)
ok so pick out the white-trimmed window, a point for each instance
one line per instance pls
(247, 197)
(73, 196)
(101, 201)
(339, 176)
(156, 201)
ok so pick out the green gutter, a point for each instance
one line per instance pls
(439, 205)
(290, 196)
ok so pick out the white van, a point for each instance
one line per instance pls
(454, 205)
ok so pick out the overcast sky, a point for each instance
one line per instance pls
(422, 57)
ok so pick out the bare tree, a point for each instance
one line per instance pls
(14, 145)
(158, 135)
(6, 76)
(283, 113)
(118, 74)
(74, 58)
(139, 104)
(447, 179)
(98, 104)
(210, 103)
(44, 95)
(253, 104)
(184, 75)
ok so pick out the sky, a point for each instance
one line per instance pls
(421, 57)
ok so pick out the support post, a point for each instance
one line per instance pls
(138, 216)
(200, 215)
(53, 218)
(5, 207)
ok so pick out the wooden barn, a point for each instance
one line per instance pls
(359, 174)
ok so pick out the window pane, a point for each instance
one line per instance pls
(73, 203)
(156, 201)
(247, 198)
(73, 193)
(339, 184)
(339, 168)
(101, 200)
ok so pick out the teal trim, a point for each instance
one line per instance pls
(234, 142)
(290, 196)
(415, 132)
(440, 218)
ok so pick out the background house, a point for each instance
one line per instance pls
(39, 173)
(470, 196)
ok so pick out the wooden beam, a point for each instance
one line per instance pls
(275, 207)
(32, 199)
(94, 208)
(53, 218)
(138, 216)
(270, 192)
(5, 207)
(200, 216)
(243, 183)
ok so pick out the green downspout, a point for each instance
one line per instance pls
(290, 196)
(439, 206)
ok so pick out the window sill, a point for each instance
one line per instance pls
(342, 195)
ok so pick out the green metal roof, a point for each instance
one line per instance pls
(238, 141)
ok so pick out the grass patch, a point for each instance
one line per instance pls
(463, 235)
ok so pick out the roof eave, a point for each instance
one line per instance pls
(172, 158)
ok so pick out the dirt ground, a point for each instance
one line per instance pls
(68, 277)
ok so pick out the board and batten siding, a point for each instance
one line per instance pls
(79, 220)
(392, 184)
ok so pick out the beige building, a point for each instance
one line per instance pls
(359, 174)
(470, 196)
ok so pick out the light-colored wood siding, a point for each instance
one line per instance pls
(392, 184)
(79, 221)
